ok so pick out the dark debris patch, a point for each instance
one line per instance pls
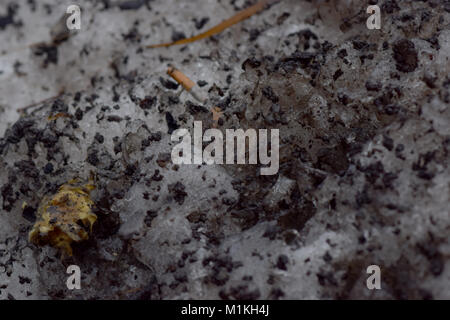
(168, 84)
(132, 4)
(171, 123)
(178, 192)
(405, 55)
(8, 18)
(148, 102)
(49, 51)
(195, 109)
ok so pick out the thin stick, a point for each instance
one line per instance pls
(41, 102)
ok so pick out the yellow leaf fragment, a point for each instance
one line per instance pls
(63, 217)
(217, 114)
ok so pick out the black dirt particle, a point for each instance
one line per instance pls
(149, 217)
(8, 18)
(390, 6)
(114, 118)
(202, 83)
(27, 168)
(155, 136)
(131, 4)
(421, 166)
(282, 262)
(430, 80)
(327, 257)
(342, 53)
(117, 145)
(333, 159)
(157, 176)
(163, 159)
(388, 143)
(252, 63)
(240, 293)
(281, 19)
(326, 278)
(359, 44)
(99, 138)
(8, 197)
(405, 54)
(195, 109)
(200, 23)
(171, 123)
(276, 294)
(79, 114)
(48, 168)
(271, 232)
(373, 171)
(435, 258)
(196, 217)
(297, 217)
(177, 189)
(307, 34)
(93, 158)
(337, 74)
(326, 46)
(388, 179)
(148, 102)
(224, 103)
(269, 94)
(59, 106)
(48, 139)
(50, 51)
(362, 198)
(298, 59)
(391, 109)
(29, 213)
(77, 97)
(18, 130)
(373, 86)
(168, 84)
(398, 151)
(130, 170)
(176, 36)
(23, 280)
(254, 34)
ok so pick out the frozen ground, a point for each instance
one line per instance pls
(364, 144)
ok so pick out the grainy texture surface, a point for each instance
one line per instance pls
(364, 125)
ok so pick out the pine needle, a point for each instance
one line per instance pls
(240, 16)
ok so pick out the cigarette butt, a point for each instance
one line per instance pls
(187, 83)
(196, 96)
(181, 78)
